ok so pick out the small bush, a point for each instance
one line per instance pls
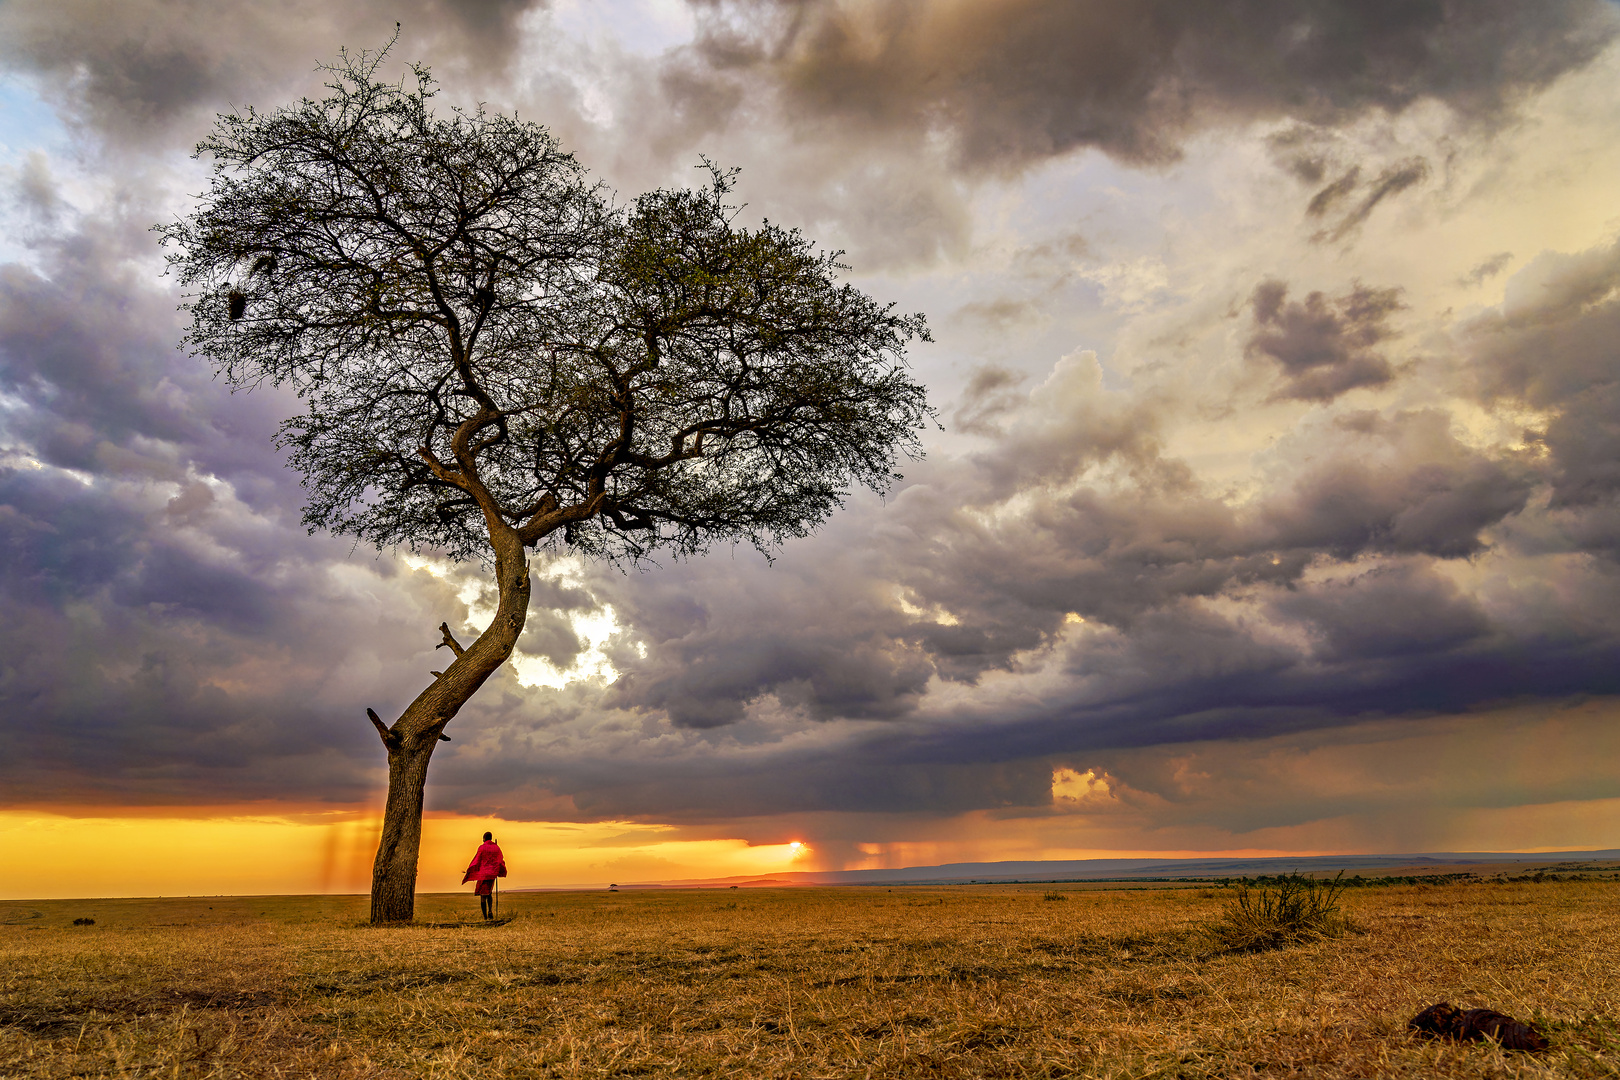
(1289, 911)
(1055, 895)
(84, 922)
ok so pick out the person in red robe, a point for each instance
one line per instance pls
(487, 865)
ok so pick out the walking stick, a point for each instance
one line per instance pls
(497, 898)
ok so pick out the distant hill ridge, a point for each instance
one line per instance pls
(1128, 869)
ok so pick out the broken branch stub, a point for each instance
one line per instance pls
(449, 639)
(389, 739)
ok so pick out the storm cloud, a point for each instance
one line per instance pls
(1230, 458)
(1014, 81)
(1555, 346)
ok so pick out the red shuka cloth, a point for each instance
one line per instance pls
(487, 865)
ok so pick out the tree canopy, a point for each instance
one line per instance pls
(479, 333)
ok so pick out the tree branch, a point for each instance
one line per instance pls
(545, 522)
(440, 469)
(628, 517)
(390, 740)
(449, 639)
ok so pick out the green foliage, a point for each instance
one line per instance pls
(1290, 910)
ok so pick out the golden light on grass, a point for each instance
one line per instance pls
(909, 982)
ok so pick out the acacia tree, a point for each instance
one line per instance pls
(493, 356)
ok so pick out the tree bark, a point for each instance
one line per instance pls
(413, 737)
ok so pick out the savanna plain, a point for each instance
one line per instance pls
(964, 981)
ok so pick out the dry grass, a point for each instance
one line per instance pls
(1291, 911)
(968, 982)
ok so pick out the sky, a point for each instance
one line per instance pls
(1273, 504)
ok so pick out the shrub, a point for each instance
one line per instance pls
(1289, 911)
(1053, 894)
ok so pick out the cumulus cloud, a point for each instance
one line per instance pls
(1175, 514)
(1324, 347)
(900, 112)
(1076, 549)
(1551, 347)
(1016, 81)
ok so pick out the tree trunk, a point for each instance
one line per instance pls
(413, 737)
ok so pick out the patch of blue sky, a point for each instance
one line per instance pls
(28, 126)
(27, 122)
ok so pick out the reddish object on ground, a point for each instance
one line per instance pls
(1445, 1020)
(487, 865)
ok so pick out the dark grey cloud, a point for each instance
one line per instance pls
(1386, 485)
(899, 109)
(171, 634)
(889, 775)
(991, 582)
(824, 639)
(1437, 506)
(1554, 346)
(1182, 674)
(138, 71)
(141, 666)
(174, 636)
(1059, 586)
(1550, 340)
(1016, 81)
(1324, 347)
(1399, 610)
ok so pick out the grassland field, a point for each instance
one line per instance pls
(951, 981)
